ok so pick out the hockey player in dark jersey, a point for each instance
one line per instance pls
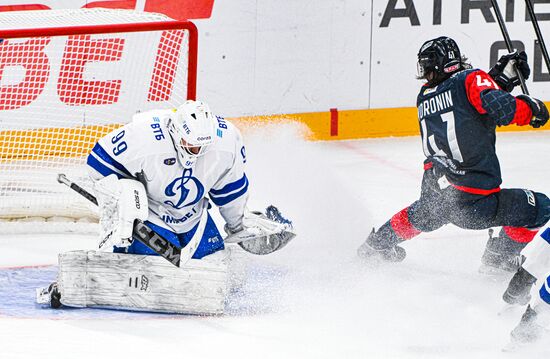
(459, 109)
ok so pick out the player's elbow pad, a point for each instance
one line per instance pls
(500, 106)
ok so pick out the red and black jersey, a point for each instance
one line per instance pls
(458, 119)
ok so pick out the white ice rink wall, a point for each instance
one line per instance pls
(279, 57)
(273, 56)
(400, 27)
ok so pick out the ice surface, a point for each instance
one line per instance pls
(314, 298)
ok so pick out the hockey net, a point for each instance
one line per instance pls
(67, 78)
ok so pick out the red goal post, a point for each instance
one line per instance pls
(68, 77)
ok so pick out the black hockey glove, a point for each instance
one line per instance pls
(504, 72)
(540, 112)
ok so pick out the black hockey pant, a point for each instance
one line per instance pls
(508, 207)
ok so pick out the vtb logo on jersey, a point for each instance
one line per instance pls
(187, 189)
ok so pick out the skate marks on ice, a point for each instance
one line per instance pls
(256, 294)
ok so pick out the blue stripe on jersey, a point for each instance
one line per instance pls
(546, 235)
(102, 154)
(101, 168)
(545, 291)
(230, 187)
(221, 201)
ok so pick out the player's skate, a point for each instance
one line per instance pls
(377, 249)
(527, 331)
(49, 295)
(519, 288)
(501, 255)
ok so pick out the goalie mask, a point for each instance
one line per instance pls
(438, 59)
(192, 131)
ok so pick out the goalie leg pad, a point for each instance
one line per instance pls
(143, 283)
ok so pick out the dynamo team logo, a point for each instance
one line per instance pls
(189, 189)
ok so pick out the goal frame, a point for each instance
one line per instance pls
(117, 28)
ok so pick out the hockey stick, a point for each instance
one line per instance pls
(160, 245)
(508, 42)
(535, 23)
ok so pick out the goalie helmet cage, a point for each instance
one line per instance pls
(67, 78)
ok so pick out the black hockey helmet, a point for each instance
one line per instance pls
(440, 56)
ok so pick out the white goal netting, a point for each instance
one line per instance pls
(68, 77)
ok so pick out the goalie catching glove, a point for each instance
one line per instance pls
(120, 203)
(260, 233)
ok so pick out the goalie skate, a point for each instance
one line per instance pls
(49, 295)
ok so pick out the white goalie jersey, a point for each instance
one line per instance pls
(143, 150)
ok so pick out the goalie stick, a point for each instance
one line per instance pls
(160, 245)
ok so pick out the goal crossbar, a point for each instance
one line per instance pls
(116, 28)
